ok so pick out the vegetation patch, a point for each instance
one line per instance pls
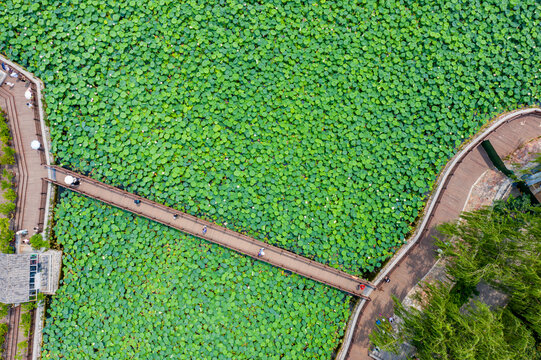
(8, 193)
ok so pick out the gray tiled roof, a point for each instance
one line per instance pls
(14, 278)
(51, 262)
(15, 275)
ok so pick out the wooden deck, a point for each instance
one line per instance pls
(216, 234)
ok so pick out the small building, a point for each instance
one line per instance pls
(23, 276)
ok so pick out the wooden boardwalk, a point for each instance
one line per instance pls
(214, 233)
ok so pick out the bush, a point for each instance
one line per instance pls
(27, 306)
(10, 195)
(3, 332)
(9, 156)
(6, 235)
(5, 184)
(7, 208)
(5, 135)
(7, 175)
(4, 309)
(26, 322)
(38, 242)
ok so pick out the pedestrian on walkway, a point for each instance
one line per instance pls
(175, 216)
(205, 229)
(391, 319)
(30, 106)
(10, 84)
(261, 252)
(387, 279)
(5, 67)
(378, 322)
(14, 75)
(137, 201)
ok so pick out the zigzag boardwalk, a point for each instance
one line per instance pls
(216, 234)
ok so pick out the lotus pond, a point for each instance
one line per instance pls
(317, 126)
(135, 289)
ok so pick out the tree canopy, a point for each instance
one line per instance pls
(499, 245)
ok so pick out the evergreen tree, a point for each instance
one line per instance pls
(501, 246)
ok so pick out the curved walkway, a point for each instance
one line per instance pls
(26, 124)
(506, 133)
(214, 233)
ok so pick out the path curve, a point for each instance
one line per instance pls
(506, 132)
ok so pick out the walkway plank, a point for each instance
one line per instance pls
(216, 234)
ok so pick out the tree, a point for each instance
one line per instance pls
(7, 208)
(501, 246)
(37, 241)
(441, 330)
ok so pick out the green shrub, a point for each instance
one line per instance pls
(4, 128)
(7, 208)
(8, 249)
(5, 184)
(10, 195)
(38, 242)
(27, 306)
(21, 349)
(8, 158)
(4, 309)
(3, 332)
(6, 235)
(26, 322)
(5, 135)
(7, 175)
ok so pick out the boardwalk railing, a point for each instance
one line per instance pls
(213, 233)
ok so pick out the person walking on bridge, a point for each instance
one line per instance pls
(261, 252)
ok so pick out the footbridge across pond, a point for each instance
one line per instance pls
(214, 233)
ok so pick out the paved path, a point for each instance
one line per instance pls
(412, 268)
(26, 124)
(31, 190)
(216, 234)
